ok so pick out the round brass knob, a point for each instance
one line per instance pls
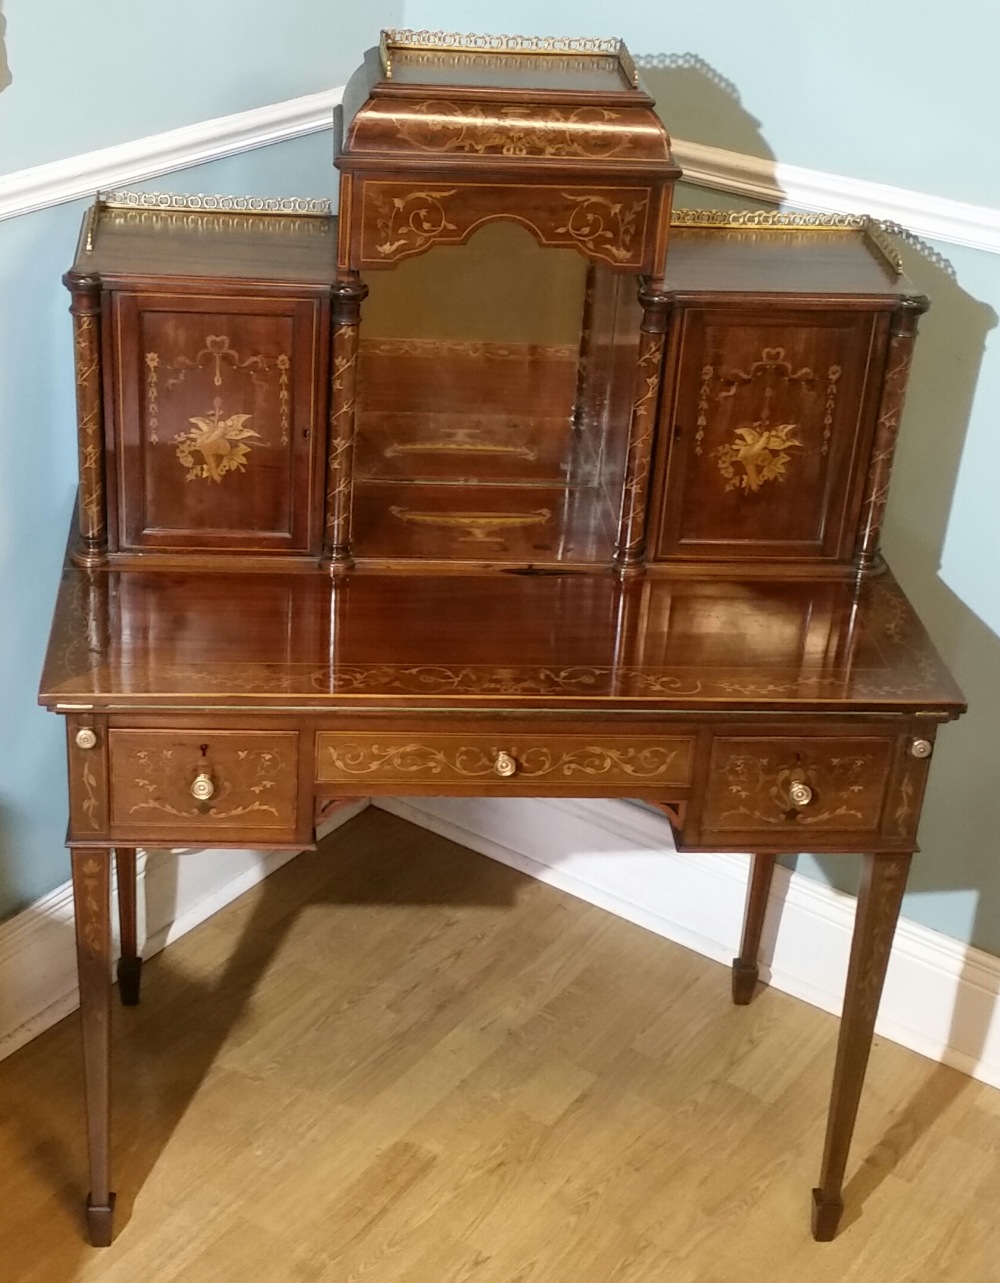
(86, 737)
(921, 748)
(202, 787)
(800, 793)
(505, 766)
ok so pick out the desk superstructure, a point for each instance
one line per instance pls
(588, 504)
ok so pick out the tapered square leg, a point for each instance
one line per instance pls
(129, 964)
(882, 885)
(92, 904)
(745, 971)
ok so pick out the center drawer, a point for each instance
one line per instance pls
(517, 763)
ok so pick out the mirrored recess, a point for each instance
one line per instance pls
(494, 390)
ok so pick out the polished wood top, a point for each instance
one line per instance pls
(790, 260)
(300, 249)
(129, 243)
(155, 638)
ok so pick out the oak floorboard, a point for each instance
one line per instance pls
(396, 1060)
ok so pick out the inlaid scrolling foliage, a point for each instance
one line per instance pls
(91, 894)
(254, 772)
(88, 395)
(410, 223)
(603, 225)
(218, 443)
(608, 223)
(754, 786)
(473, 761)
(438, 125)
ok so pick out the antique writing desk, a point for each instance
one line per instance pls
(589, 505)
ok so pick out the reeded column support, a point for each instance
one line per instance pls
(85, 310)
(883, 882)
(92, 905)
(902, 335)
(582, 412)
(631, 544)
(348, 294)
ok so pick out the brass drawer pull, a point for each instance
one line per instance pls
(86, 737)
(202, 787)
(800, 793)
(921, 748)
(505, 765)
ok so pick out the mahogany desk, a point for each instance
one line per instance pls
(770, 717)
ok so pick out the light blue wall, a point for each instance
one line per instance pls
(809, 87)
(894, 91)
(85, 76)
(38, 481)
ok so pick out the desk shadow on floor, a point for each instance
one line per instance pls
(373, 891)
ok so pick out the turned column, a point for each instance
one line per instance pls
(92, 503)
(902, 334)
(631, 545)
(348, 294)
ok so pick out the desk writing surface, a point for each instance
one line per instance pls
(157, 638)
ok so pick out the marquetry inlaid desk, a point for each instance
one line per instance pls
(507, 480)
(761, 717)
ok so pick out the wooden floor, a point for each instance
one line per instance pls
(397, 1060)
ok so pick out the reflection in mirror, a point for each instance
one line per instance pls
(493, 404)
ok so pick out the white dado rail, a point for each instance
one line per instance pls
(932, 218)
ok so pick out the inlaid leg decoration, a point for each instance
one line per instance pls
(92, 903)
(882, 885)
(745, 966)
(129, 964)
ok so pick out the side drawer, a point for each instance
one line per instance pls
(203, 784)
(772, 790)
(513, 763)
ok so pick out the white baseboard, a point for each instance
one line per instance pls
(931, 217)
(940, 996)
(177, 891)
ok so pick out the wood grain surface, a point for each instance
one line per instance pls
(351, 1074)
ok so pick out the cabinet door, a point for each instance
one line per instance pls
(768, 418)
(218, 408)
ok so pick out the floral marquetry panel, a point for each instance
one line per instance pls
(219, 402)
(774, 787)
(770, 421)
(203, 784)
